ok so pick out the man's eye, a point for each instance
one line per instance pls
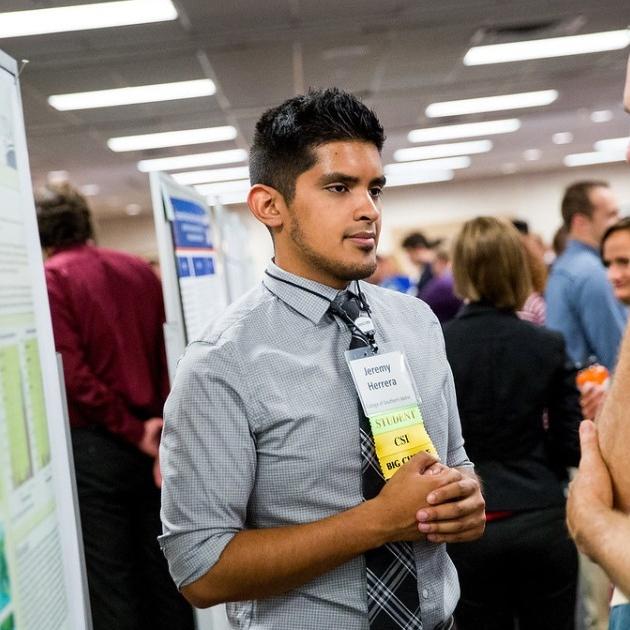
(337, 188)
(376, 192)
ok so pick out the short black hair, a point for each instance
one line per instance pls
(286, 135)
(63, 217)
(417, 240)
(622, 224)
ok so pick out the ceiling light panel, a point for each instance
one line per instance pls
(133, 95)
(419, 178)
(612, 145)
(192, 161)
(442, 150)
(171, 139)
(468, 130)
(596, 157)
(220, 188)
(427, 165)
(546, 48)
(562, 137)
(492, 103)
(213, 175)
(601, 116)
(85, 16)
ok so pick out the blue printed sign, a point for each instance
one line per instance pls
(191, 225)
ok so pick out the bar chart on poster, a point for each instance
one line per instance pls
(40, 555)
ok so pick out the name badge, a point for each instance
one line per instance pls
(390, 401)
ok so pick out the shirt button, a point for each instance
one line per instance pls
(425, 593)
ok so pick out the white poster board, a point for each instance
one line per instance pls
(191, 265)
(42, 578)
(194, 287)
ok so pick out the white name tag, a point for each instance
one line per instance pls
(390, 401)
(383, 382)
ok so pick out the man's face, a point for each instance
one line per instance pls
(616, 257)
(420, 256)
(332, 225)
(605, 211)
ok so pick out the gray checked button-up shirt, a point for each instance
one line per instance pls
(262, 430)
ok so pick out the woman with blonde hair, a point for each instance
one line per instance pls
(507, 371)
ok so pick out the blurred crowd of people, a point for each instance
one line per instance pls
(532, 334)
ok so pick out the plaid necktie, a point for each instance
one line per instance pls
(392, 583)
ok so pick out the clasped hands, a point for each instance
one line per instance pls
(427, 499)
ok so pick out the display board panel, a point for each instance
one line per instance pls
(191, 265)
(194, 286)
(42, 579)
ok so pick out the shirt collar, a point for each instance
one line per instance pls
(576, 245)
(310, 306)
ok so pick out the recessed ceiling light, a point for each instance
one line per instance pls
(427, 177)
(601, 116)
(468, 130)
(492, 103)
(509, 168)
(427, 165)
(57, 177)
(562, 137)
(442, 150)
(85, 16)
(171, 138)
(133, 209)
(531, 155)
(192, 161)
(549, 47)
(612, 145)
(90, 190)
(596, 157)
(133, 95)
(213, 175)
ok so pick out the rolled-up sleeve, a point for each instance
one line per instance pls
(207, 458)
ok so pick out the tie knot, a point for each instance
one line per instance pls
(349, 304)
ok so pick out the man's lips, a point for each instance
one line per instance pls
(363, 238)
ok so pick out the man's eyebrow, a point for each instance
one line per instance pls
(337, 177)
(379, 181)
(349, 180)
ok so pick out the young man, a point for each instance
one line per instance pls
(265, 455)
(107, 315)
(580, 302)
(421, 255)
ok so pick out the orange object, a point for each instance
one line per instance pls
(595, 373)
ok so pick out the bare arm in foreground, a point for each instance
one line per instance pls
(613, 427)
(599, 530)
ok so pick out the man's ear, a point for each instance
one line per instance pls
(580, 221)
(267, 205)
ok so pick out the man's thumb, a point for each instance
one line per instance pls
(589, 445)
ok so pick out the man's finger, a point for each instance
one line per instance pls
(421, 461)
(449, 511)
(588, 443)
(464, 487)
(453, 526)
(471, 534)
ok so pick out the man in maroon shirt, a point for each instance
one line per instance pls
(107, 314)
